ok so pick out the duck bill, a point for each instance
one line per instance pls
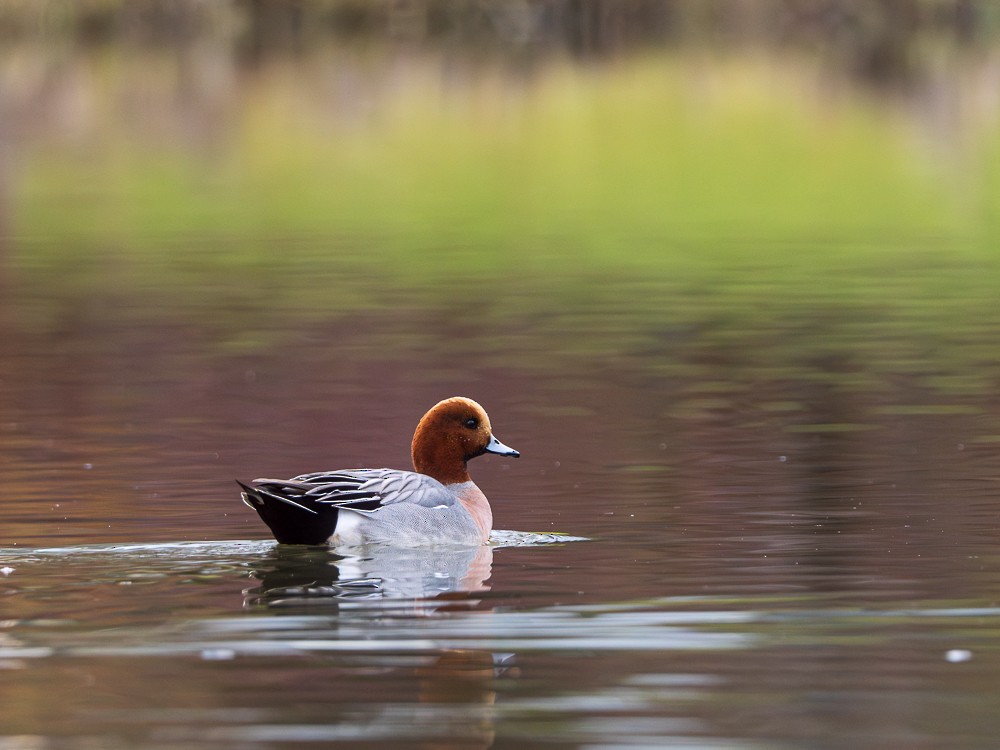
(495, 446)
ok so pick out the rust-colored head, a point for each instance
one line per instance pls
(452, 432)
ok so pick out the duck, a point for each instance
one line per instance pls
(436, 503)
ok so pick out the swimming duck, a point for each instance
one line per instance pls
(438, 503)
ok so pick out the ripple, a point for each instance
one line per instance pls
(238, 548)
(663, 625)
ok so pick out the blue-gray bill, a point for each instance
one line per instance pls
(499, 448)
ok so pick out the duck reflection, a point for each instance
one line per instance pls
(299, 576)
(443, 698)
(464, 680)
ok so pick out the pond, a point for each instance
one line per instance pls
(726, 280)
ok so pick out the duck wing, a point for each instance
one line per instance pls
(304, 509)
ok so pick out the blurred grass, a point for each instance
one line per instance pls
(726, 197)
(587, 156)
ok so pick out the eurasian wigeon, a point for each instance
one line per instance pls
(436, 504)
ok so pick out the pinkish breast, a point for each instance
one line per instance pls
(474, 501)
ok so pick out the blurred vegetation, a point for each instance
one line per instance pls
(581, 25)
(625, 176)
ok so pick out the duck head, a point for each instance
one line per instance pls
(449, 435)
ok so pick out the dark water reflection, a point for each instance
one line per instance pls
(773, 561)
(776, 426)
(527, 659)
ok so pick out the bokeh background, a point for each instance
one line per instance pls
(725, 272)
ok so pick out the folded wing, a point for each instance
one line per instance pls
(304, 509)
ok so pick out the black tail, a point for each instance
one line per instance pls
(291, 521)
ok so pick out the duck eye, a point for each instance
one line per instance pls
(472, 423)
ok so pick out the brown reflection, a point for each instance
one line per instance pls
(831, 421)
(463, 678)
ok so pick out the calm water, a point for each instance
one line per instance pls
(758, 502)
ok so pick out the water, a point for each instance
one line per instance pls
(730, 293)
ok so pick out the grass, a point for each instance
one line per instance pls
(617, 208)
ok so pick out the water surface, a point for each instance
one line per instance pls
(731, 292)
